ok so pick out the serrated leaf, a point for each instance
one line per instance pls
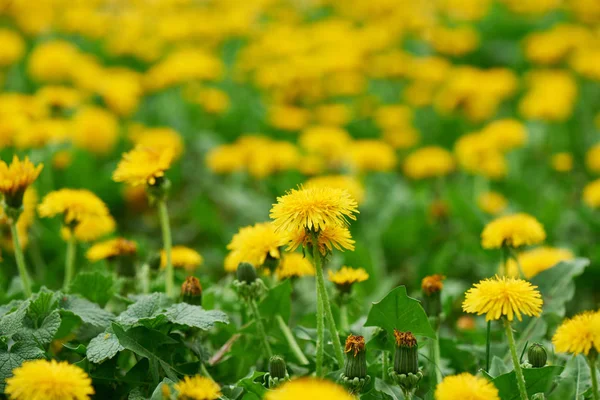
(88, 312)
(537, 380)
(14, 357)
(12, 306)
(398, 310)
(146, 309)
(575, 380)
(42, 304)
(96, 286)
(195, 316)
(12, 322)
(103, 347)
(40, 335)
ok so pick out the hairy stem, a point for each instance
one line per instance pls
(515, 358)
(592, 363)
(320, 316)
(384, 365)
(434, 353)
(163, 214)
(488, 343)
(70, 261)
(287, 332)
(20, 259)
(344, 324)
(261, 328)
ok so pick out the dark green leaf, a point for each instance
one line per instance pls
(96, 286)
(194, 316)
(88, 312)
(40, 335)
(14, 357)
(253, 384)
(42, 304)
(537, 380)
(147, 308)
(574, 381)
(79, 349)
(498, 367)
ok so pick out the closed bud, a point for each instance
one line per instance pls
(431, 287)
(277, 367)
(406, 358)
(356, 357)
(191, 291)
(537, 355)
(246, 273)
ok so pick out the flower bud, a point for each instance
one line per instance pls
(246, 273)
(432, 302)
(537, 355)
(277, 367)
(406, 358)
(191, 291)
(356, 357)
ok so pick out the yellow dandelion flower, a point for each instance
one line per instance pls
(309, 388)
(294, 265)
(591, 194)
(345, 277)
(502, 296)
(75, 204)
(562, 162)
(143, 166)
(505, 134)
(197, 388)
(256, 244)
(492, 203)
(157, 139)
(12, 47)
(182, 257)
(330, 237)
(49, 380)
(288, 118)
(534, 261)
(212, 100)
(512, 230)
(95, 129)
(579, 334)
(466, 386)
(371, 155)
(347, 182)
(333, 114)
(429, 162)
(329, 142)
(16, 178)
(110, 249)
(91, 228)
(592, 159)
(313, 208)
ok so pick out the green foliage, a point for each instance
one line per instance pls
(96, 286)
(537, 380)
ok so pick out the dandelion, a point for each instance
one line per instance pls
(182, 257)
(345, 277)
(294, 265)
(562, 162)
(309, 388)
(197, 388)
(111, 249)
(534, 261)
(332, 237)
(492, 203)
(466, 386)
(158, 139)
(429, 162)
(591, 194)
(49, 380)
(347, 182)
(258, 245)
(513, 231)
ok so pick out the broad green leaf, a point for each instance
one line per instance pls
(39, 334)
(157, 394)
(574, 381)
(194, 316)
(12, 322)
(12, 306)
(42, 304)
(399, 311)
(278, 301)
(96, 286)
(392, 392)
(498, 367)
(537, 380)
(147, 309)
(88, 312)
(103, 347)
(250, 384)
(14, 357)
(79, 349)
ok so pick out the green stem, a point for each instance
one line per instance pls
(488, 343)
(344, 324)
(70, 261)
(163, 215)
(205, 372)
(592, 363)
(515, 358)
(144, 275)
(320, 319)
(337, 344)
(384, 365)
(261, 328)
(434, 354)
(20, 259)
(285, 329)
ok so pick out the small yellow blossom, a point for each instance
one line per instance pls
(347, 182)
(256, 244)
(592, 159)
(579, 334)
(466, 386)
(143, 166)
(429, 162)
(197, 388)
(294, 265)
(12, 47)
(512, 230)
(110, 249)
(492, 203)
(182, 257)
(309, 388)
(95, 130)
(562, 162)
(16, 178)
(329, 238)
(345, 277)
(158, 139)
(371, 155)
(591, 194)
(534, 261)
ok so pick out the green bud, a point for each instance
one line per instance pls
(277, 367)
(356, 357)
(431, 287)
(537, 355)
(406, 358)
(191, 291)
(246, 273)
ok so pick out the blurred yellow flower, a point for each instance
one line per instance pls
(257, 244)
(74, 204)
(345, 277)
(512, 230)
(478, 155)
(143, 166)
(212, 100)
(197, 388)
(309, 388)
(456, 41)
(550, 96)
(110, 249)
(327, 141)
(371, 155)
(158, 139)
(95, 130)
(16, 178)
(534, 261)
(288, 118)
(466, 386)
(492, 203)
(591, 194)
(52, 61)
(182, 257)
(562, 162)
(505, 134)
(592, 159)
(91, 228)
(578, 335)
(428, 162)
(347, 182)
(12, 47)
(333, 114)
(294, 265)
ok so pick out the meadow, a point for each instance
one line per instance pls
(299, 199)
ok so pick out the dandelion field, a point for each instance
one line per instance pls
(296, 199)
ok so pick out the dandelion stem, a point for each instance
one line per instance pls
(344, 324)
(320, 316)
(204, 371)
(515, 358)
(592, 363)
(70, 261)
(488, 343)
(261, 328)
(285, 329)
(20, 259)
(144, 276)
(434, 352)
(384, 365)
(337, 345)
(163, 214)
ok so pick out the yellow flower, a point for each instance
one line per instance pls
(12, 47)
(592, 159)
(347, 182)
(505, 134)
(197, 388)
(403, 138)
(371, 155)
(327, 141)
(309, 388)
(288, 118)
(226, 159)
(393, 117)
(91, 228)
(62, 159)
(24, 222)
(591, 194)
(429, 162)
(42, 132)
(110, 249)
(551, 95)
(332, 114)
(256, 244)
(534, 261)
(466, 386)
(345, 277)
(75, 204)
(562, 162)
(294, 265)
(49, 380)
(53, 61)
(513, 230)
(158, 139)
(492, 203)
(143, 166)
(16, 178)
(330, 237)
(212, 100)
(579, 334)
(502, 296)
(313, 208)
(182, 257)
(95, 130)
(478, 155)
(432, 284)
(58, 97)
(454, 41)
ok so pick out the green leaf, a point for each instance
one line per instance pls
(498, 367)
(12, 322)
(40, 335)
(278, 301)
(194, 316)
(12, 306)
(146, 310)
(574, 381)
(42, 304)
(88, 312)
(103, 347)
(398, 310)
(96, 286)
(250, 385)
(157, 394)
(80, 349)
(14, 357)
(537, 380)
